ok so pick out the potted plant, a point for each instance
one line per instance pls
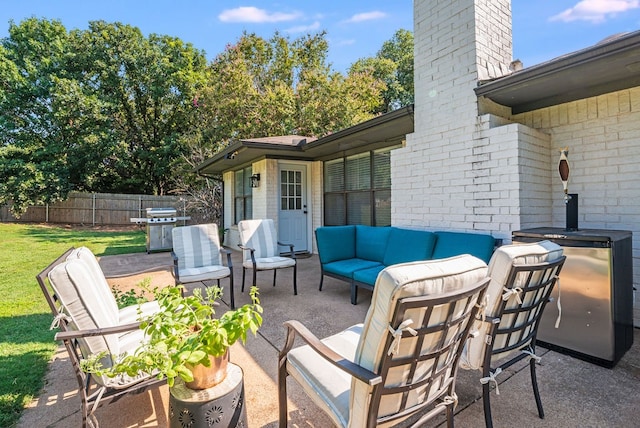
(184, 338)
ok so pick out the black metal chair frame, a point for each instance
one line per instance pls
(275, 270)
(92, 395)
(539, 280)
(451, 352)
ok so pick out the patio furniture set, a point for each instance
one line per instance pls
(428, 317)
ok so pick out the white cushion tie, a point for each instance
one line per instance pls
(558, 303)
(56, 320)
(492, 378)
(508, 292)
(397, 335)
(450, 399)
(533, 356)
(482, 308)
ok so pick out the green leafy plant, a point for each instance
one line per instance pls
(185, 332)
(131, 297)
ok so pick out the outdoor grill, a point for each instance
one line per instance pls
(160, 223)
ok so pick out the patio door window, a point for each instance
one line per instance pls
(243, 206)
(357, 189)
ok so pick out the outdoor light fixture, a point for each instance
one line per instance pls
(255, 180)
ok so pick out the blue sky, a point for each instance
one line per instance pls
(542, 29)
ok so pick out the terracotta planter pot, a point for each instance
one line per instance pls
(206, 377)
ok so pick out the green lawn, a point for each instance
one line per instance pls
(26, 343)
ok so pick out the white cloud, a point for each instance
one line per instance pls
(255, 15)
(304, 28)
(366, 16)
(595, 10)
(346, 42)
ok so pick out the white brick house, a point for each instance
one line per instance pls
(484, 149)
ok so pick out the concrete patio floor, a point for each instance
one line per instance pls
(575, 393)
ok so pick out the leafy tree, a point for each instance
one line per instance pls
(393, 64)
(148, 88)
(98, 110)
(272, 87)
(35, 142)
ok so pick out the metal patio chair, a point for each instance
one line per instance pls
(197, 256)
(259, 244)
(522, 278)
(400, 365)
(90, 322)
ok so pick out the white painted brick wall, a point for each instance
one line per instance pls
(602, 134)
(443, 178)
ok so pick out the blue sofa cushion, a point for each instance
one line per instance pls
(371, 242)
(336, 243)
(449, 244)
(368, 276)
(406, 245)
(348, 267)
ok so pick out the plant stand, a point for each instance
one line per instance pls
(219, 406)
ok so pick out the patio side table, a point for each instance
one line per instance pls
(219, 406)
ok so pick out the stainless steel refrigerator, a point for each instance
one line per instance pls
(595, 292)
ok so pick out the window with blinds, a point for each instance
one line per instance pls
(357, 189)
(243, 202)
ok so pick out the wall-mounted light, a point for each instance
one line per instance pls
(255, 180)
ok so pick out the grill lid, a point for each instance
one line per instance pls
(161, 212)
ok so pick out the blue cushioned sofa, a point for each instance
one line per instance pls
(357, 253)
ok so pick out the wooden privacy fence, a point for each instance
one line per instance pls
(97, 209)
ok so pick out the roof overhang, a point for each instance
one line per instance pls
(603, 68)
(381, 131)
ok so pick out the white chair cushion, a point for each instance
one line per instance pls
(270, 263)
(99, 280)
(204, 273)
(260, 235)
(321, 380)
(196, 246)
(421, 278)
(75, 287)
(499, 267)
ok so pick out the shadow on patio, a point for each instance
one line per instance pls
(574, 393)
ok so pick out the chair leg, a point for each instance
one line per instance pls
(254, 275)
(321, 280)
(244, 270)
(282, 392)
(354, 294)
(536, 392)
(233, 300)
(486, 389)
(274, 277)
(450, 416)
(295, 280)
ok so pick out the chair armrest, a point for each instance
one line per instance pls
(359, 372)
(251, 251)
(77, 334)
(176, 273)
(228, 253)
(293, 255)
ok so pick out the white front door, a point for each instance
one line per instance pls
(292, 218)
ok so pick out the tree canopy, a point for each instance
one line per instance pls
(107, 109)
(97, 110)
(393, 64)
